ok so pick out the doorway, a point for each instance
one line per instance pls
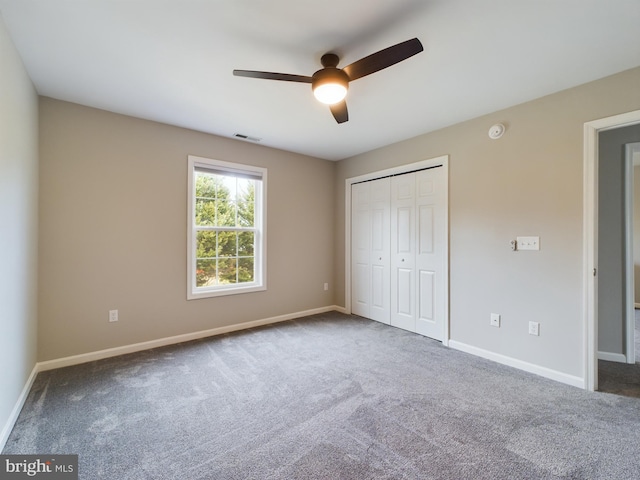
(632, 221)
(619, 373)
(591, 267)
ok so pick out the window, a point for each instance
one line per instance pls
(226, 244)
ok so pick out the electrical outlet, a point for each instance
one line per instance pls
(113, 315)
(495, 320)
(534, 328)
(326, 287)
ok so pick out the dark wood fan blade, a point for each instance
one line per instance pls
(383, 59)
(287, 77)
(340, 112)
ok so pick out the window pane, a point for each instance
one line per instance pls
(245, 270)
(225, 205)
(205, 211)
(227, 244)
(246, 244)
(205, 273)
(246, 201)
(206, 245)
(227, 270)
(226, 210)
(206, 184)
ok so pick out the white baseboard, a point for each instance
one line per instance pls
(612, 357)
(13, 417)
(161, 342)
(519, 364)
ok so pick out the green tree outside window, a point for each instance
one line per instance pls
(225, 224)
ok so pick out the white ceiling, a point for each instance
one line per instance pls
(172, 60)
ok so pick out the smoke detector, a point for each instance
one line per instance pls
(496, 131)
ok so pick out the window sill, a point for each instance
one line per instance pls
(220, 292)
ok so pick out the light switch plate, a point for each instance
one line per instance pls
(528, 243)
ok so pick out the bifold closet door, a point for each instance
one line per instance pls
(418, 252)
(370, 237)
(403, 246)
(431, 252)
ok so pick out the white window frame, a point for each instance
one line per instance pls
(260, 218)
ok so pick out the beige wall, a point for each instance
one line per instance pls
(529, 182)
(18, 228)
(113, 231)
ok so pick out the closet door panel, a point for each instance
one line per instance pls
(431, 255)
(403, 276)
(425, 230)
(405, 290)
(380, 284)
(360, 249)
(427, 293)
(370, 273)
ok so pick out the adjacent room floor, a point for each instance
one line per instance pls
(622, 378)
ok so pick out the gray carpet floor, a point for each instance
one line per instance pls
(325, 397)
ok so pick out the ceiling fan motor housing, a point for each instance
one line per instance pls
(329, 75)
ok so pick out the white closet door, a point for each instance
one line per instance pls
(360, 249)
(399, 251)
(370, 249)
(431, 192)
(403, 245)
(380, 250)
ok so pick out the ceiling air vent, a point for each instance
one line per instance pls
(241, 136)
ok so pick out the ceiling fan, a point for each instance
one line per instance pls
(330, 84)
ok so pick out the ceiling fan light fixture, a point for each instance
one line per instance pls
(330, 85)
(330, 93)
